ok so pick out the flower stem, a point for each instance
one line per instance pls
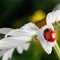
(56, 49)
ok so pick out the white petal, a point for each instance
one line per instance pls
(58, 15)
(45, 44)
(20, 49)
(50, 18)
(12, 42)
(52, 43)
(26, 46)
(5, 30)
(3, 51)
(57, 7)
(8, 54)
(53, 17)
(20, 33)
(23, 47)
(29, 26)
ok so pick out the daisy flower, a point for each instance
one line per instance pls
(20, 39)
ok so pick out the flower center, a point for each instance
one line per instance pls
(49, 35)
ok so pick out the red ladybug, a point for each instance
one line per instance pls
(49, 35)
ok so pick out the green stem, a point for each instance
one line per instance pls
(56, 49)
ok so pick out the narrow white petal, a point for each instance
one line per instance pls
(11, 42)
(45, 44)
(27, 29)
(26, 46)
(58, 15)
(29, 26)
(3, 51)
(19, 33)
(50, 18)
(53, 17)
(20, 49)
(5, 30)
(8, 54)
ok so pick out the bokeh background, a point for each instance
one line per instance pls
(15, 13)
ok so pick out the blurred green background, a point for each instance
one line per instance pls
(15, 13)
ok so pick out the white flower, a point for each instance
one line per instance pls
(53, 16)
(19, 38)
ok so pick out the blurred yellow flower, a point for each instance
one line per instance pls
(37, 16)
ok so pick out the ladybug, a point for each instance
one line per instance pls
(49, 35)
